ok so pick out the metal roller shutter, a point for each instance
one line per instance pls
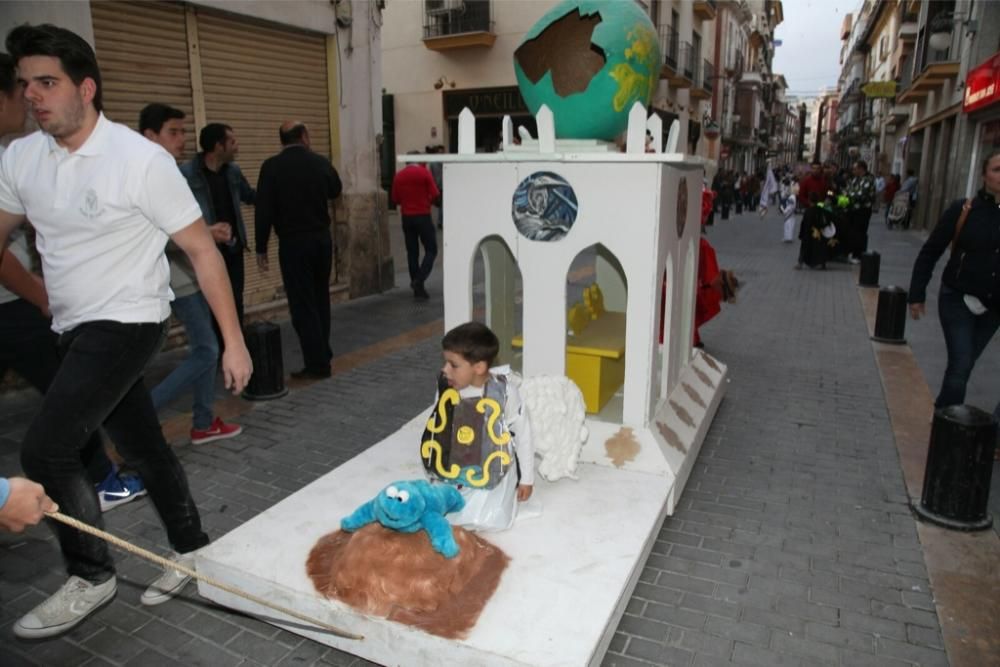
(142, 50)
(256, 76)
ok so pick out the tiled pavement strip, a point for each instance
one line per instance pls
(792, 544)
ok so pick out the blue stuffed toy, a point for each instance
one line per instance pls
(407, 507)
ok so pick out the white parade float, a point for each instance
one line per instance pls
(573, 568)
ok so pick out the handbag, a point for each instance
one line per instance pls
(829, 231)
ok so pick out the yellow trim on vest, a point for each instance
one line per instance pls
(485, 479)
(504, 437)
(428, 448)
(448, 396)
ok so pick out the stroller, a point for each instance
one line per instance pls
(899, 210)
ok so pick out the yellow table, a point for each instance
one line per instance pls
(595, 359)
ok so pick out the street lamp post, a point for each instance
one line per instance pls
(819, 130)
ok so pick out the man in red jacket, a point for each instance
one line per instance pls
(414, 191)
(814, 181)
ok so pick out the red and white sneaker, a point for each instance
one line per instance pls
(219, 430)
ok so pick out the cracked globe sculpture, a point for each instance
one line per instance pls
(589, 61)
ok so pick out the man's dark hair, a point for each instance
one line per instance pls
(212, 135)
(8, 75)
(816, 163)
(862, 164)
(74, 53)
(473, 341)
(293, 135)
(153, 116)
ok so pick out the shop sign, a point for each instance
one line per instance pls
(879, 89)
(486, 102)
(982, 85)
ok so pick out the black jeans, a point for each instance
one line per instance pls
(419, 228)
(859, 220)
(28, 346)
(100, 382)
(306, 263)
(232, 256)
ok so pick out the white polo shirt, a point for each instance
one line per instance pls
(102, 216)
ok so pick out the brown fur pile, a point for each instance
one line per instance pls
(399, 576)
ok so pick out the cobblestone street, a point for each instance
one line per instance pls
(793, 543)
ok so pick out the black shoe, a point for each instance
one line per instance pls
(311, 374)
(420, 294)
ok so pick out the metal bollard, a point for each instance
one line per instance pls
(870, 262)
(890, 316)
(268, 380)
(959, 469)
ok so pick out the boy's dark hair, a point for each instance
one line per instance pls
(813, 197)
(74, 53)
(8, 75)
(212, 135)
(153, 116)
(474, 341)
(293, 135)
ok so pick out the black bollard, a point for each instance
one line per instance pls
(268, 379)
(959, 469)
(868, 276)
(890, 316)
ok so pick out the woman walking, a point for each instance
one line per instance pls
(969, 300)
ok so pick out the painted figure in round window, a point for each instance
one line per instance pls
(544, 207)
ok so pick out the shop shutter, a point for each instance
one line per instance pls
(142, 50)
(255, 76)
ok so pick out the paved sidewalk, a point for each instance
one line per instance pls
(792, 545)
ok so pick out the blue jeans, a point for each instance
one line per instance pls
(966, 336)
(198, 370)
(100, 382)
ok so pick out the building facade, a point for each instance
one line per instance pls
(440, 56)
(918, 92)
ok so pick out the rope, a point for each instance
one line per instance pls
(149, 555)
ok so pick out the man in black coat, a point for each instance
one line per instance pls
(293, 194)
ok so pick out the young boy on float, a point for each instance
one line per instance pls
(478, 438)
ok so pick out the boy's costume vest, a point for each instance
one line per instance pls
(466, 442)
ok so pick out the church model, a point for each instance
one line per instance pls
(532, 215)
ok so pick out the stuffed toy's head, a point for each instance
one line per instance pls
(400, 505)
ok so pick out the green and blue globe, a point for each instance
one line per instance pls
(589, 61)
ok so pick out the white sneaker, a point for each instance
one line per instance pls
(170, 583)
(77, 599)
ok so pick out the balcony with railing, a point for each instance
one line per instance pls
(456, 24)
(704, 81)
(670, 44)
(852, 93)
(743, 134)
(752, 76)
(689, 61)
(932, 68)
(704, 9)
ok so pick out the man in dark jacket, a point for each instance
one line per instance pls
(293, 194)
(219, 186)
(861, 190)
